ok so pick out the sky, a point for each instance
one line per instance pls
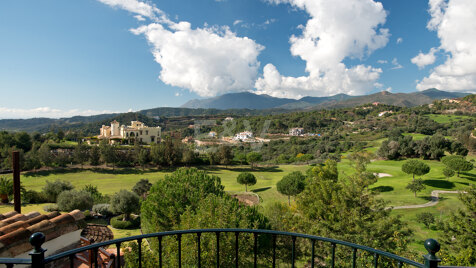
(63, 58)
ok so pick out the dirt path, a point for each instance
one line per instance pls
(434, 200)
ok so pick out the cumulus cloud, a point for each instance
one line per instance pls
(454, 22)
(333, 32)
(208, 61)
(421, 60)
(46, 112)
(139, 18)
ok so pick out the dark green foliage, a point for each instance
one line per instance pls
(425, 218)
(71, 200)
(98, 197)
(448, 173)
(218, 212)
(108, 153)
(458, 232)
(415, 167)
(94, 156)
(291, 184)
(253, 157)
(416, 186)
(118, 222)
(142, 187)
(125, 202)
(170, 197)
(457, 163)
(131, 255)
(225, 155)
(34, 197)
(53, 189)
(81, 154)
(246, 178)
(45, 156)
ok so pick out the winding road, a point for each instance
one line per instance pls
(434, 200)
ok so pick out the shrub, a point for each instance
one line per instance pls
(87, 214)
(34, 197)
(118, 223)
(51, 207)
(125, 202)
(98, 197)
(426, 218)
(102, 209)
(142, 187)
(53, 189)
(71, 200)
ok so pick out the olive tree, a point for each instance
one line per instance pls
(457, 163)
(125, 202)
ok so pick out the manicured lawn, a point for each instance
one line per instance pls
(416, 136)
(25, 208)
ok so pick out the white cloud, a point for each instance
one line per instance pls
(139, 18)
(208, 61)
(389, 89)
(177, 94)
(396, 65)
(237, 22)
(399, 40)
(454, 22)
(421, 60)
(382, 61)
(334, 32)
(46, 112)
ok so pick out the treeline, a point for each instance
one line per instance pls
(398, 146)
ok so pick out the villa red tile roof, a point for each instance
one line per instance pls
(16, 229)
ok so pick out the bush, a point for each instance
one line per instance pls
(102, 209)
(98, 197)
(51, 208)
(34, 197)
(426, 218)
(53, 189)
(71, 200)
(125, 202)
(132, 223)
(87, 214)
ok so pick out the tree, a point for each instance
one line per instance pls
(426, 218)
(81, 154)
(71, 200)
(23, 141)
(457, 163)
(246, 178)
(240, 157)
(327, 171)
(45, 156)
(416, 186)
(94, 156)
(157, 154)
(108, 153)
(225, 155)
(415, 167)
(291, 184)
(448, 172)
(53, 189)
(143, 157)
(253, 158)
(459, 229)
(142, 187)
(169, 198)
(360, 160)
(125, 202)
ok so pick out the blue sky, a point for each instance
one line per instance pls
(62, 58)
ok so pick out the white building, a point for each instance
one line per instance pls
(212, 134)
(243, 136)
(297, 131)
(137, 131)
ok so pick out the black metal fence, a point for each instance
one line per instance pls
(38, 259)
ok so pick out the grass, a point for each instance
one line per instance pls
(447, 118)
(25, 208)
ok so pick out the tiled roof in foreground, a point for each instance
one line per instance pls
(16, 229)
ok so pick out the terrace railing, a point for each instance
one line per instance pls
(38, 259)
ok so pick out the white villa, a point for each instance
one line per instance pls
(297, 131)
(243, 136)
(137, 131)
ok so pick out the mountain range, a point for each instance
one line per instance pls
(248, 100)
(232, 104)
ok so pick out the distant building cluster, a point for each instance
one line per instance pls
(297, 131)
(243, 136)
(137, 131)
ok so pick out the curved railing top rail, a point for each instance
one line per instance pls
(38, 239)
(171, 233)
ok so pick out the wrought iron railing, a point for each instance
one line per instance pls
(38, 259)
